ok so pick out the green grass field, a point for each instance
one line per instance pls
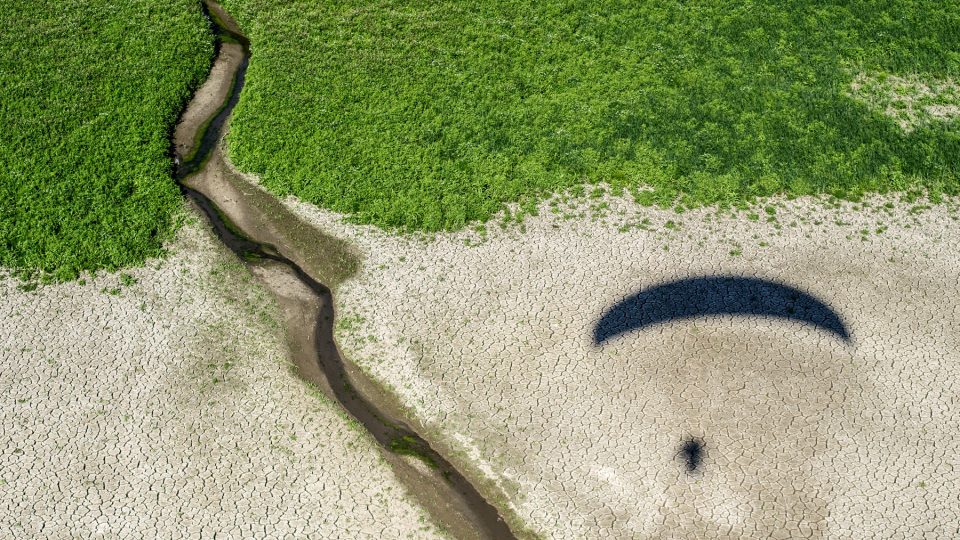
(427, 115)
(89, 90)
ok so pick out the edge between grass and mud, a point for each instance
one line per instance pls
(290, 234)
(202, 264)
(865, 85)
(262, 217)
(779, 223)
(414, 144)
(672, 225)
(333, 273)
(186, 218)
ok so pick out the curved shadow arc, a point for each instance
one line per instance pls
(717, 295)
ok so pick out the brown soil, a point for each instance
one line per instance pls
(292, 259)
(208, 100)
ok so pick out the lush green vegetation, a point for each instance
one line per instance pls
(427, 115)
(89, 90)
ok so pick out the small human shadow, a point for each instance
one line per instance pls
(716, 295)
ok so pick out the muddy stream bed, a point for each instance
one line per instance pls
(299, 265)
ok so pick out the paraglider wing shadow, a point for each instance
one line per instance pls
(716, 295)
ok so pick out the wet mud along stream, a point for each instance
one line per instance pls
(299, 264)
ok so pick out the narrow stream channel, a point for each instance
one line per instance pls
(392, 434)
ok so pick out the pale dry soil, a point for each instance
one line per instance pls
(909, 100)
(487, 340)
(167, 408)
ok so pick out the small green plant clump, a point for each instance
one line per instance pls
(89, 91)
(429, 115)
(408, 446)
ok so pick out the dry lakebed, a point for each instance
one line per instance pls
(598, 369)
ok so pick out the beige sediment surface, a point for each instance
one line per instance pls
(167, 408)
(487, 339)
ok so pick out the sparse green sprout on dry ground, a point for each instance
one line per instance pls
(911, 101)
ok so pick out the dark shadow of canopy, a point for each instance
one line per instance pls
(716, 295)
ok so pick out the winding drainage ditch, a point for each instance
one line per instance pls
(264, 239)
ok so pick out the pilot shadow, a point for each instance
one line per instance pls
(711, 296)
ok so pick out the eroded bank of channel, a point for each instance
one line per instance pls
(299, 265)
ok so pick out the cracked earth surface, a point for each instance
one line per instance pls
(486, 338)
(167, 408)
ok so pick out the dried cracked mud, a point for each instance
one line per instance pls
(601, 371)
(732, 423)
(257, 228)
(168, 408)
